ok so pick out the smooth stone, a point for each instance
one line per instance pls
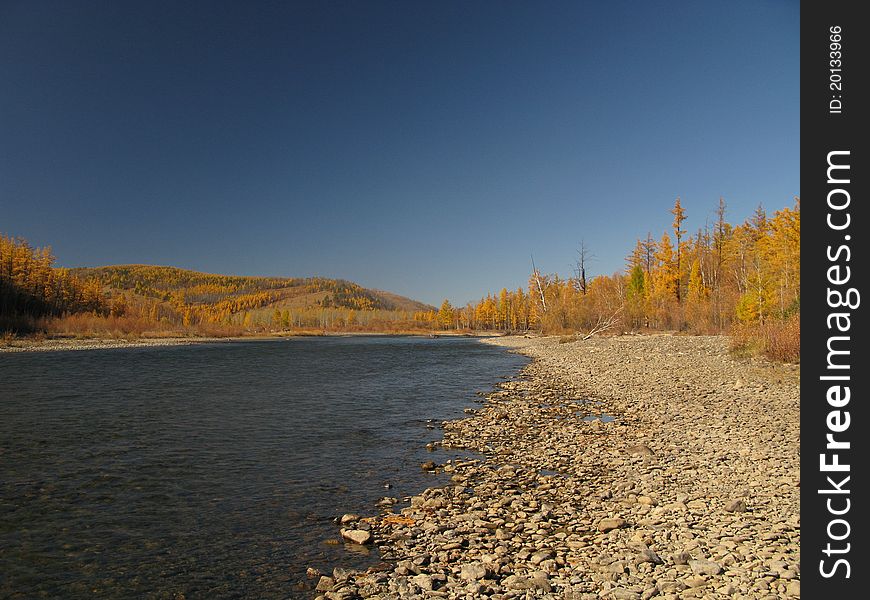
(705, 567)
(609, 524)
(649, 556)
(737, 505)
(422, 581)
(641, 449)
(325, 584)
(357, 536)
(624, 594)
(472, 571)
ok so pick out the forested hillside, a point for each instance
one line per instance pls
(138, 299)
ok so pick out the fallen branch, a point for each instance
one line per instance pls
(604, 324)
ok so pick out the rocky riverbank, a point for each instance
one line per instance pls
(624, 468)
(65, 344)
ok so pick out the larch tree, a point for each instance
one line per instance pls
(445, 314)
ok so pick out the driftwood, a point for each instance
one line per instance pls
(604, 323)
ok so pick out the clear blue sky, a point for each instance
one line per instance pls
(427, 148)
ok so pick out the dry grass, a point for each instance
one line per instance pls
(777, 340)
(88, 325)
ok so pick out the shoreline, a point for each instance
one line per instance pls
(624, 468)
(68, 344)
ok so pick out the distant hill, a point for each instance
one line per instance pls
(230, 294)
(148, 300)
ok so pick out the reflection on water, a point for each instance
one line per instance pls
(214, 470)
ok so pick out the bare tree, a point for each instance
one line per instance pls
(540, 285)
(679, 216)
(583, 256)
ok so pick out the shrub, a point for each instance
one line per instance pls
(778, 339)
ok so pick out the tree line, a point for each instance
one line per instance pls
(743, 279)
(31, 287)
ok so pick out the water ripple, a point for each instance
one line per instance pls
(213, 471)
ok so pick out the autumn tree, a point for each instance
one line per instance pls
(445, 315)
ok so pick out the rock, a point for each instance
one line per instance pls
(325, 584)
(646, 500)
(312, 573)
(472, 571)
(649, 556)
(649, 593)
(605, 525)
(617, 567)
(623, 594)
(793, 588)
(422, 581)
(517, 582)
(670, 587)
(539, 557)
(696, 582)
(429, 465)
(681, 558)
(640, 449)
(697, 505)
(540, 581)
(737, 505)
(341, 594)
(348, 518)
(357, 536)
(705, 567)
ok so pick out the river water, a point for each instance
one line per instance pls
(216, 470)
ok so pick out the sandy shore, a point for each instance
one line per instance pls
(64, 344)
(626, 468)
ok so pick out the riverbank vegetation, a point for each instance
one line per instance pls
(739, 279)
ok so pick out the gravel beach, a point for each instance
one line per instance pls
(625, 467)
(74, 344)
